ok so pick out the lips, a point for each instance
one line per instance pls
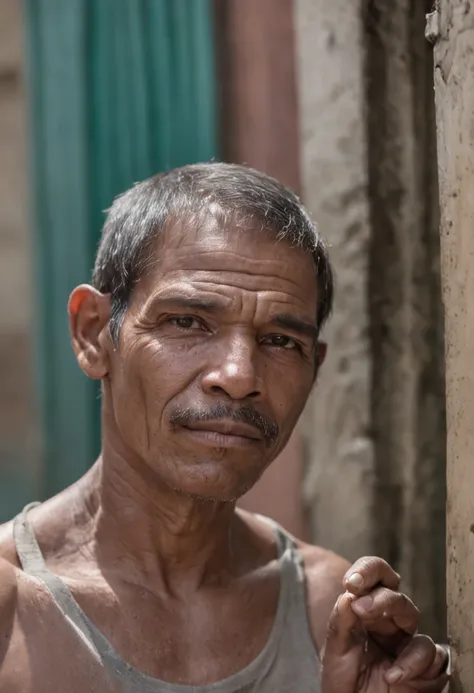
(227, 428)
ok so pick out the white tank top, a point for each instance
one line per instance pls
(287, 664)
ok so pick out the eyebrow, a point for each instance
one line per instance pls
(284, 320)
(290, 322)
(191, 303)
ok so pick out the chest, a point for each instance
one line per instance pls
(197, 641)
(48, 655)
(61, 662)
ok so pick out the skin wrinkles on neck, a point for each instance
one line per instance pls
(154, 535)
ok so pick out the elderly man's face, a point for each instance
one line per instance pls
(216, 358)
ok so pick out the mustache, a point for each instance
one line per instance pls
(267, 428)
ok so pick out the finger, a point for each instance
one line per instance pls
(343, 650)
(340, 634)
(414, 662)
(382, 604)
(368, 572)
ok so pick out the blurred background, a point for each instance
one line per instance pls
(333, 98)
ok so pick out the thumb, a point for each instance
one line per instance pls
(343, 650)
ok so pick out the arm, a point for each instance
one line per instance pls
(324, 575)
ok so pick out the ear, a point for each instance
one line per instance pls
(89, 314)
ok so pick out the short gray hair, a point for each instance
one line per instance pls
(137, 216)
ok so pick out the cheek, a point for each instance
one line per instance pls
(130, 407)
(288, 391)
(148, 376)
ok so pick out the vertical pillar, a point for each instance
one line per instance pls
(406, 321)
(19, 449)
(376, 429)
(258, 87)
(340, 474)
(453, 27)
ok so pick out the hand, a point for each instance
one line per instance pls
(372, 645)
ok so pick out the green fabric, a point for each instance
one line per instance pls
(119, 89)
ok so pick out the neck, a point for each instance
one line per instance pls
(152, 534)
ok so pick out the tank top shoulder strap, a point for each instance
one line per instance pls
(297, 625)
(27, 547)
(33, 563)
(286, 545)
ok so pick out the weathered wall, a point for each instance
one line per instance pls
(340, 475)
(375, 430)
(18, 432)
(408, 408)
(454, 83)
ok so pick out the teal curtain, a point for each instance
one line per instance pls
(119, 90)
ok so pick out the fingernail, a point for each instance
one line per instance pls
(365, 603)
(356, 580)
(394, 675)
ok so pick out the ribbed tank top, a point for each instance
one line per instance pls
(287, 664)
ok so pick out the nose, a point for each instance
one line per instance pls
(233, 370)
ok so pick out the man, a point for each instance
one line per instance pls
(209, 292)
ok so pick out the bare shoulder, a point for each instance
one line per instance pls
(7, 545)
(8, 602)
(8, 581)
(8, 577)
(324, 572)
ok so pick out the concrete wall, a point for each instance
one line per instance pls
(340, 475)
(453, 29)
(18, 430)
(375, 431)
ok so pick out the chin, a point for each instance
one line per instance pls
(214, 481)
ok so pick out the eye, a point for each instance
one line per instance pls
(185, 322)
(282, 341)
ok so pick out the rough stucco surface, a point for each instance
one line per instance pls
(375, 430)
(18, 424)
(454, 84)
(408, 407)
(339, 480)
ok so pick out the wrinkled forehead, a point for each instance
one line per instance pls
(222, 245)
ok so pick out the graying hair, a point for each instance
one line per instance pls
(227, 190)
